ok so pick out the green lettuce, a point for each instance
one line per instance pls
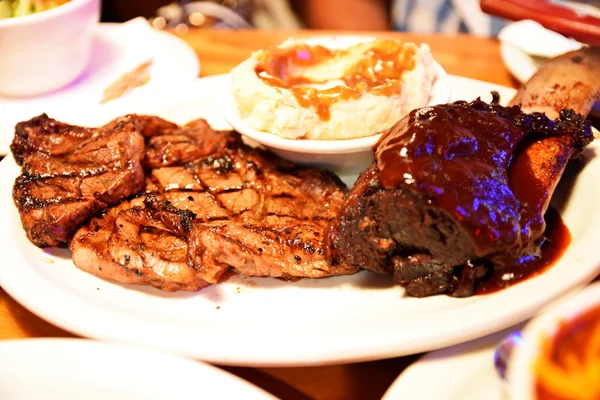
(18, 8)
(6, 9)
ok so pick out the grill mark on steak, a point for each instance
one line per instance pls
(239, 241)
(167, 214)
(255, 251)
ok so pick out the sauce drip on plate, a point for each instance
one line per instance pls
(558, 239)
(377, 70)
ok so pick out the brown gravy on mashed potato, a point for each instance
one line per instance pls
(378, 71)
(304, 90)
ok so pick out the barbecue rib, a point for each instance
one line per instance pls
(212, 203)
(458, 189)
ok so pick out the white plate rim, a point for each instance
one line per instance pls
(89, 356)
(65, 310)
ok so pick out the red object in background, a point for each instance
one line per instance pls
(582, 27)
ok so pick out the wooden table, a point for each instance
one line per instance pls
(219, 51)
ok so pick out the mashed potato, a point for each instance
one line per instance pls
(299, 91)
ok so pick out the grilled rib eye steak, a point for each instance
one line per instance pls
(275, 221)
(203, 202)
(70, 173)
(142, 241)
(458, 189)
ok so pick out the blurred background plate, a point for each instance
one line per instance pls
(117, 50)
(70, 369)
(462, 372)
(571, 19)
(526, 45)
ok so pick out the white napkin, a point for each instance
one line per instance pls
(535, 40)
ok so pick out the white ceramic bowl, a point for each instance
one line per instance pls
(521, 375)
(45, 51)
(341, 156)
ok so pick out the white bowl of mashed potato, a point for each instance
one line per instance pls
(325, 101)
(44, 45)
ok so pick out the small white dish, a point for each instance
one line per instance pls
(340, 156)
(466, 371)
(521, 375)
(70, 369)
(47, 50)
(116, 50)
(462, 372)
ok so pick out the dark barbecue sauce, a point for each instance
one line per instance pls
(378, 72)
(558, 238)
(492, 169)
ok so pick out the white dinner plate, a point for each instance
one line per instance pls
(116, 50)
(268, 322)
(74, 369)
(462, 372)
